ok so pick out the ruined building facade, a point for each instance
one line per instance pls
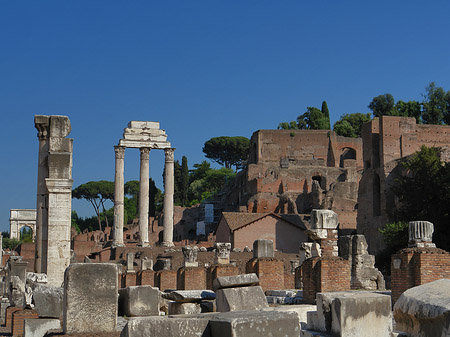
(294, 171)
(386, 142)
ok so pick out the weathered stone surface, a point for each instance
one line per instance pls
(166, 327)
(222, 254)
(300, 309)
(3, 305)
(48, 301)
(176, 308)
(16, 293)
(130, 261)
(41, 326)
(420, 234)
(255, 324)
(146, 264)
(242, 280)
(244, 298)
(90, 298)
(323, 219)
(424, 310)
(263, 248)
(183, 296)
(137, 301)
(190, 256)
(352, 314)
(33, 279)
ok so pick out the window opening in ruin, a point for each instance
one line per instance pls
(347, 153)
(26, 234)
(321, 180)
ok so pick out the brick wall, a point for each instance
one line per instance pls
(219, 270)
(146, 278)
(417, 266)
(270, 272)
(324, 274)
(9, 312)
(191, 278)
(166, 279)
(128, 279)
(18, 318)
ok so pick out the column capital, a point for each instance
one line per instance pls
(119, 152)
(169, 152)
(145, 153)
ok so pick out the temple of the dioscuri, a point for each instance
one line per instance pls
(145, 136)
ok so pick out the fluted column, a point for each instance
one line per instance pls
(168, 198)
(118, 196)
(143, 196)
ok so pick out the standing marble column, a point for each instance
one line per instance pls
(118, 196)
(144, 196)
(168, 198)
(42, 124)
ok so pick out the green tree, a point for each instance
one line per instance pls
(288, 125)
(326, 112)
(96, 192)
(436, 105)
(228, 151)
(383, 105)
(423, 193)
(409, 109)
(350, 124)
(313, 119)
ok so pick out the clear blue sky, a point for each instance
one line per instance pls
(200, 68)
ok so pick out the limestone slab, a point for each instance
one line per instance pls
(242, 280)
(90, 298)
(48, 301)
(137, 301)
(39, 327)
(189, 295)
(243, 298)
(424, 310)
(255, 324)
(166, 327)
(176, 308)
(263, 248)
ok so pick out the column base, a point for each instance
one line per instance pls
(145, 244)
(167, 244)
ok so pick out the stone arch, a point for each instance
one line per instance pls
(20, 218)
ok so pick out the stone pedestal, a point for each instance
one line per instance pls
(270, 272)
(145, 278)
(191, 278)
(222, 255)
(324, 274)
(166, 279)
(219, 270)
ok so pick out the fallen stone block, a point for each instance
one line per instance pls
(167, 327)
(183, 296)
(280, 293)
(137, 301)
(242, 280)
(48, 301)
(244, 298)
(41, 326)
(424, 310)
(90, 298)
(176, 308)
(255, 324)
(263, 248)
(301, 311)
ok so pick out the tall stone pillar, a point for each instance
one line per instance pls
(168, 198)
(118, 196)
(54, 203)
(144, 196)
(42, 124)
(1, 249)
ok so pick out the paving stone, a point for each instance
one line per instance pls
(244, 298)
(242, 280)
(137, 301)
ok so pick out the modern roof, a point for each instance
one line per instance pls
(237, 220)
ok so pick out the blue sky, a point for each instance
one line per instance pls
(200, 68)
